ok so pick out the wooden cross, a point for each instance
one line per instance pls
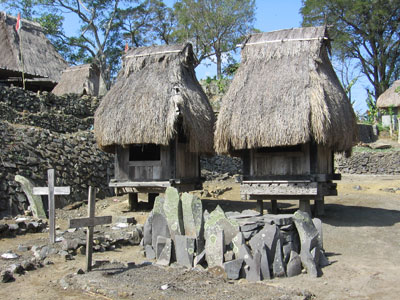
(90, 222)
(51, 191)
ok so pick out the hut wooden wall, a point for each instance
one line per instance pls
(187, 163)
(126, 170)
(279, 163)
(324, 160)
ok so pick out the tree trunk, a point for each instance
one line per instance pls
(219, 64)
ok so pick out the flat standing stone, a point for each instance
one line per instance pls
(318, 224)
(232, 268)
(253, 273)
(192, 215)
(218, 221)
(184, 250)
(267, 236)
(35, 201)
(164, 258)
(147, 236)
(265, 272)
(150, 253)
(237, 242)
(215, 249)
(173, 212)
(294, 265)
(159, 227)
(278, 266)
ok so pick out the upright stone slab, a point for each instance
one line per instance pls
(158, 206)
(278, 265)
(237, 242)
(159, 227)
(309, 238)
(192, 215)
(218, 221)
(253, 272)
(35, 201)
(147, 228)
(232, 268)
(318, 224)
(164, 257)
(184, 250)
(173, 212)
(265, 272)
(215, 248)
(267, 236)
(294, 265)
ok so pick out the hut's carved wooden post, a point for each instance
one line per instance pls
(319, 206)
(274, 207)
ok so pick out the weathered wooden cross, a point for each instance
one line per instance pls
(51, 191)
(90, 222)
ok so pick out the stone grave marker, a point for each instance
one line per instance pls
(173, 212)
(90, 222)
(35, 201)
(51, 191)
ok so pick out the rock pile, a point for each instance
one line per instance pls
(244, 245)
(21, 226)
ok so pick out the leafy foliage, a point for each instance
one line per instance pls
(365, 30)
(214, 27)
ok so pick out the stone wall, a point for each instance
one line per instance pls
(68, 113)
(380, 163)
(30, 151)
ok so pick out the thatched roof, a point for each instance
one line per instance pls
(41, 60)
(390, 97)
(154, 87)
(83, 79)
(285, 93)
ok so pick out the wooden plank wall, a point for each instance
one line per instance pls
(187, 163)
(280, 163)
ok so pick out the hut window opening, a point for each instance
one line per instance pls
(144, 152)
(296, 148)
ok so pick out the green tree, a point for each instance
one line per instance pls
(365, 30)
(214, 27)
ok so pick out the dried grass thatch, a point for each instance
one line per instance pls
(141, 107)
(390, 97)
(285, 93)
(84, 79)
(41, 60)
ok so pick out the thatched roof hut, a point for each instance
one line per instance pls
(390, 97)
(84, 79)
(285, 93)
(156, 86)
(42, 64)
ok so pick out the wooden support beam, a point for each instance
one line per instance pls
(151, 198)
(319, 206)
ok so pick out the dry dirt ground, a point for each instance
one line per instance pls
(361, 232)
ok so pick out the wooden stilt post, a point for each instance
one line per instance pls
(151, 199)
(319, 206)
(260, 205)
(133, 201)
(274, 207)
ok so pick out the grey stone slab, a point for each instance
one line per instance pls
(158, 206)
(237, 242)
(249, 234)
(218, 221)
(251, 226)
(184, 250)
(125, 219)
(278, 266)
(164, 258)
(147, 237)
(233, 268)
(265, 267)
(267, 236)
(245, 253)
(192, 209)
(215, 249)
(280, 220)
(294, 265)
(173, 212)
(308, 261)
(149, 251)
(159, 227)
(323, 260)
(161, 241)
(318, 224)
(253, 272)
(35, 201)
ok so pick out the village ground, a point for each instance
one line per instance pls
(361, 233)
